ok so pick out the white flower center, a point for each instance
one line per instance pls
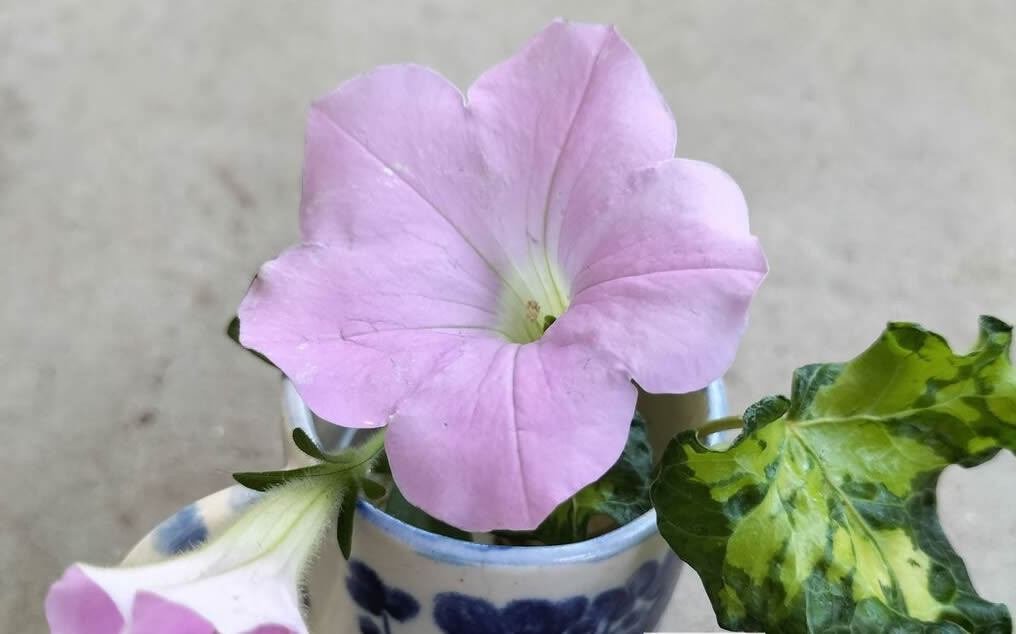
(530, 302)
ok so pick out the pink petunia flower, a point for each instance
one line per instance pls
(443, 234)
(243, 582)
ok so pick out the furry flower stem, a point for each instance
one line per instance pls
(347, 473)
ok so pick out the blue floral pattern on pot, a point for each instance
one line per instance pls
(625, 609)
(378, 600)
(184, 531)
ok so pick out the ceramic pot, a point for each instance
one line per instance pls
(403, 580)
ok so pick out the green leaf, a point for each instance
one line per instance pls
(548, 321)
(264, 480)
(621, 494)
(353, 455)
(350, 464)
(233, 332)
(381, 465)
(400, 508)
(625, 487)
(822, 515)
(372, 489)
(307, 446)
(344, 523)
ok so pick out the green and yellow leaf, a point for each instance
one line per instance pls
(822, 516)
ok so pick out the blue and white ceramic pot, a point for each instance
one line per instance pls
(403, 580)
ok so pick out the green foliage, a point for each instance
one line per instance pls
(351, 464)
(621, 494)
(264, 480)
(548, 321)
(372, 489)
(304, 443)
(344, 522)
(400, 508)
(822, 516)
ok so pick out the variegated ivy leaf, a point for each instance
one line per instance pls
(822, 516)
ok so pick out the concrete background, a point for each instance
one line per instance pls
(150, 158)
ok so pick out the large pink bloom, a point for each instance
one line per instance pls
(441, 232)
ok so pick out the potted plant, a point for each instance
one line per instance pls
(492, 287)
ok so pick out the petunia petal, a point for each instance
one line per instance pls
(152, 614)
(241, 600)
(392, 155)
(564, 121)
(545, 134)
(78, 605)
(525, 425)
(318, 312)
(389, 152)
(665, 275)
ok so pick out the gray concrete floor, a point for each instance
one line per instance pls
(150, 157)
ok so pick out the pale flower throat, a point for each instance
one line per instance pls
(530, 302)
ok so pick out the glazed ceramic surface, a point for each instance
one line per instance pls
(401, 579)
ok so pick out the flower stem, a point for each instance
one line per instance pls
(373, 445)
(718, 425)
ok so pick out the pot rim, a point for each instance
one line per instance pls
(450, 550)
